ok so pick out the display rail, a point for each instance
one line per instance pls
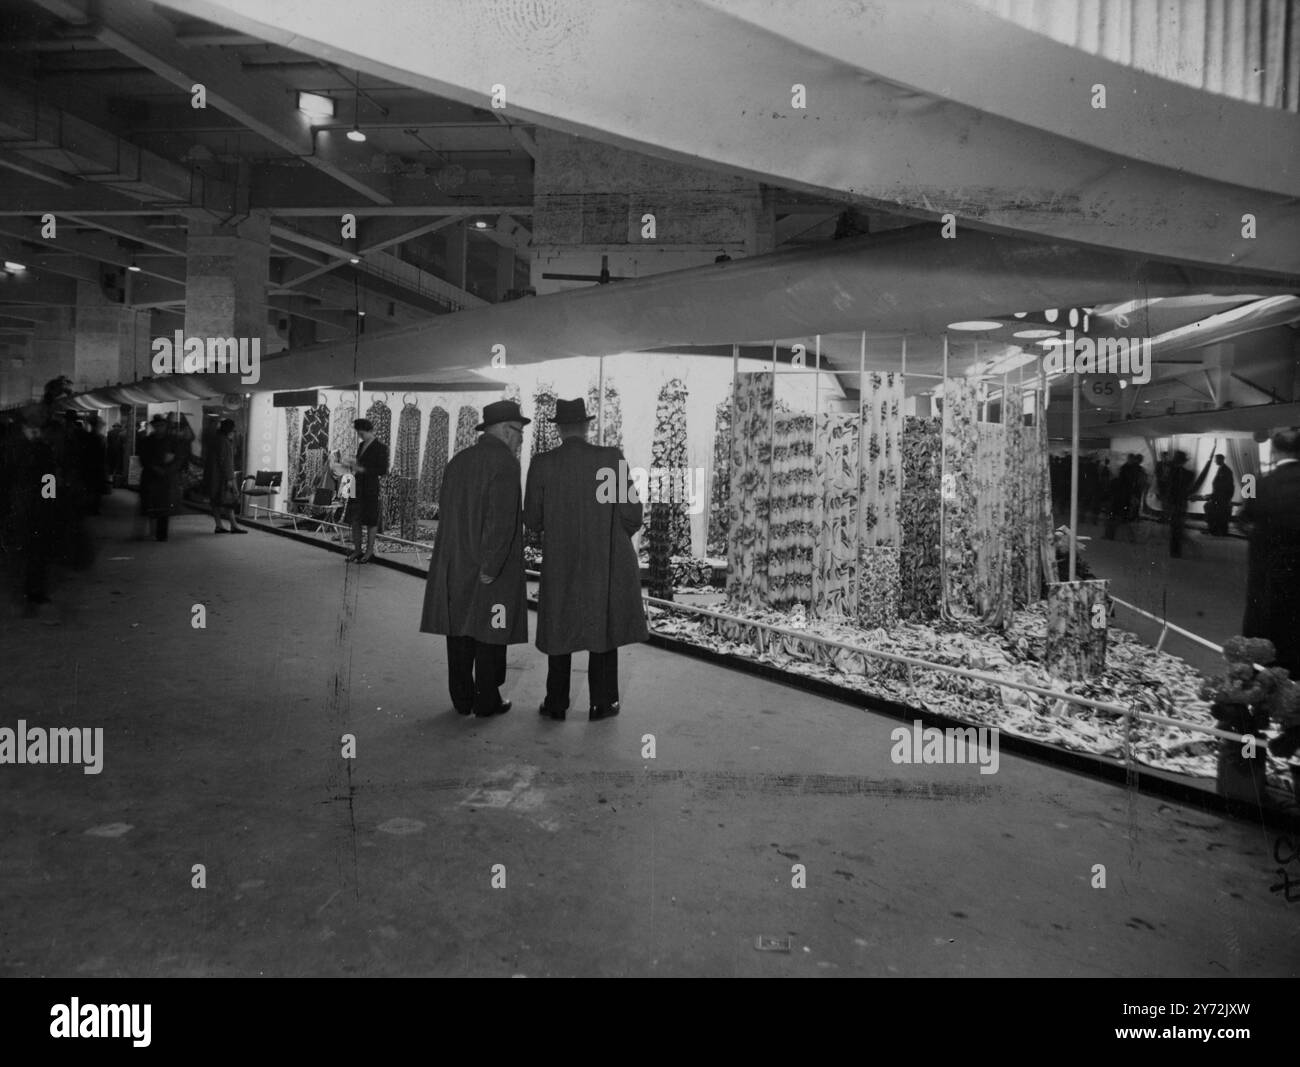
(992, 679)
(296, 518)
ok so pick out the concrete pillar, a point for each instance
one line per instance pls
(111, 341)
(456, 252)
(505, 271)
(53, 349)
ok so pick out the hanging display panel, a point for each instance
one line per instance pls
(404, 470)
(960, 448)
(611, 430)
(792, 529)
(835, 557)
(293, 452)
(315, 450)
(882, 475)
(466, 419)
(878, 585)
(919, 519)
(435, 461)
(750, 480)
(991, 589)
(720, 492)
(381, 418)
(343, 438)
(1076, 629)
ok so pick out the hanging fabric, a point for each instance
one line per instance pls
(381, 418)
(960, 447)
(835, 557)
(466, 419)
(878, 585)
(343, 438)
(315, 448)
(1076, 645)
(720, 479)
(882, 473)
(919, 526)
(435, 461)
(792, 512)
(751, 473)
(293, 450)
(992, 591)
(405, 471)
(612, 429)
(668, 467)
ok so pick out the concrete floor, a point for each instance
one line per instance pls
(222, 748)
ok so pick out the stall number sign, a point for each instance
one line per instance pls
(1103, 390)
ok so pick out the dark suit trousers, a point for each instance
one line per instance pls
(602, 679)
(476, 670)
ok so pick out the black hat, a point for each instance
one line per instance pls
(158, 418)
(502, 411)
(571, 411)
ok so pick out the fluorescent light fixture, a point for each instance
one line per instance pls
(1021, 314)
(1034, 335)
(321, 107)
(1074, 316)
(11, 265)
(355, 134)
(1050, 314)
(361, 314)
(133, 269)
(354, 259)
(975, 324)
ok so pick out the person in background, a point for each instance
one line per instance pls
(370, 465)
(1179, 494)
(219, 477)
(159, 478)
(1218, 507)
(32, 515)
(581, 501)
(116, 455)
(94, 464)
(1273, 562)
(475, 593)
(1163, 469)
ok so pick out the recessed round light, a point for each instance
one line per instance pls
(356, 135)
(975, 324)
(1021, 314)
(133, 269)
(1033, 335)
(480, 225)
(354, 259)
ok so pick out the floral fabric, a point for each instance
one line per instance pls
(878, 585)
(1076, 648)
(720, 493)
(668, 530)
(835, 555)
(435, 461)
(750, 479)
(957, 490)
(919, 519)
(343, 438)
(793, 498)
(882, 473)
(404, 469)
(466, 419)
(612, 428)
(381, 417)
(293, 453)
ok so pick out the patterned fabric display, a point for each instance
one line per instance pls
(960, 446)
(882, 471)
(668, 531)
(612, 429)
(315, 449)
(1076, 649)
(381, 417)
(545, 435)
(720, 494)
(343, 438)
(991, 587)
(435, 461)
(466, 419)
(750, 479)
(919, 510)
(293, 454)
(793, 512)
(835, 467)
(404, 469)
(879, 585)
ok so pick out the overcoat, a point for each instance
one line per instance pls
(219, 473)
(479, 530)
(373, 460)
(582, 502)
(160, 484)
(1273, 568)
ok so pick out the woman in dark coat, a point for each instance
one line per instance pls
(475, 592)
(581, 500)
(160, 485)
(1273, 570)
(371, 464)
(219, 476)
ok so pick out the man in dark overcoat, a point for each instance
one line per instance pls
(1273, 568)
(160, 484)
(369, 467)
(1218, 508)
(219, 476)
(475, 591)
(583, 503)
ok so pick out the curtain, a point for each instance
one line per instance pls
(919, 526)
(882, 472)
(435, 461)
(750, 480)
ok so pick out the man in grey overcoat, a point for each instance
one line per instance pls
(475, 591)
(583, 503)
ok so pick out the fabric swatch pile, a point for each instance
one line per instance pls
(1136, 676)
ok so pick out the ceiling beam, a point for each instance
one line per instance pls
(132, 230)
(378, 234)
(138, 31)
(11, 160)
(96, 247)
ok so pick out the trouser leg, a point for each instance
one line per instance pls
(489, 673)
(160, 527)
(460, 671)
(356, 535)
(602, 675)
(558, 669)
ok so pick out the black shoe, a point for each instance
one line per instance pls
(597, 712)
(500, 709)
(221, 529)
(464, 711)
(352, 557)
(552, 713)
(237, 529)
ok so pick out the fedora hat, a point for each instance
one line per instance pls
(571, 411)
(502, 411)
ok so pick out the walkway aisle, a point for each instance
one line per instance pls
(222, 748)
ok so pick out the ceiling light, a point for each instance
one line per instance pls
(355, 134)
(133, 269)
(1052, 342)
(1033, 335)
(354, 259)
(1050, 314)
(1021, 314)
(975, 324)
(11, 265)
(361, 314)
(1074, 316)
(315, 105)
(480, 225)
